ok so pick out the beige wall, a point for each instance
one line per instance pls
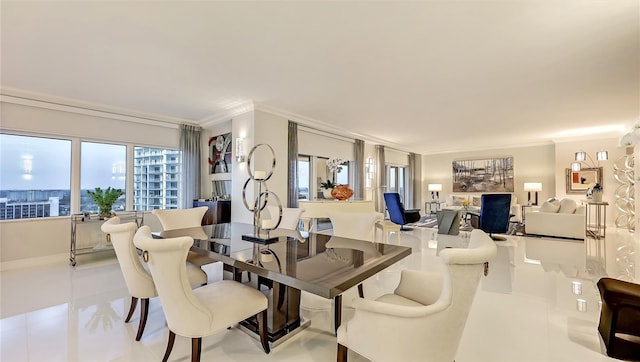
(532, 164)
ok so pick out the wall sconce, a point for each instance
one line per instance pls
(532, 187)
(435, 190)
(576, 288)
(582, 156)
(240, 150)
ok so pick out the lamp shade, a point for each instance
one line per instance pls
(533, 186)
(434, 187)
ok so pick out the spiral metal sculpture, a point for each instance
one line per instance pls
(625, 194)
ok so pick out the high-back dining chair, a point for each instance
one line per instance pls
(172, 219)
(138, 280)
(424, 318)
(203, 311)
(290, 217)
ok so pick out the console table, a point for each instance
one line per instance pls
(595, 218)
(319, 209)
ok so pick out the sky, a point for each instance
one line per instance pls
(34, 163)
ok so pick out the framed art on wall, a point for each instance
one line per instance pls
(484, 175)
(220, 154)
(578, 182)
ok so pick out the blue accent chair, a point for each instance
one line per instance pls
(397, 212)
(495, 212)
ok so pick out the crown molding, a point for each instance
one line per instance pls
(40, 100)
(326, 127)
(227, 114)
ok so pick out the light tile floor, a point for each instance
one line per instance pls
(524, 310)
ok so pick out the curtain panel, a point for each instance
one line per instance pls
(190, 149)
(292, 160)
(359, 174)
(381, 180)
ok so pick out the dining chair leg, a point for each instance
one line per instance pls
(134, 303)
(360, 290)
(172, 338)
(342, 353)
(196, 349)
(337, 313)
(264, 331)
(144, 312)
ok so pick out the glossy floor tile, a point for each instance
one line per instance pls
(539, 303)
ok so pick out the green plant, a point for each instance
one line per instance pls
(328, 185)
(105, 199)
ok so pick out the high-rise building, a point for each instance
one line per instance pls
(156, 178)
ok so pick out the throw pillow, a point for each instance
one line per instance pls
(567, 206)
(411, 288)
(477, 201)
(550, 206)
(457, 200)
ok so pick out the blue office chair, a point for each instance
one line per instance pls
(397, 212)
(495, 212)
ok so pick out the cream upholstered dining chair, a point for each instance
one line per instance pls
(138, 280)
(203, 311)
(352, 225)
(290, 217)
(424, 318)
(172, 219)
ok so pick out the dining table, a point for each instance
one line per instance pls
(290, 262)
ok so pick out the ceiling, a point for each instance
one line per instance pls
(426, 77)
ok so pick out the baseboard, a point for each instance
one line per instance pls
(30, 262)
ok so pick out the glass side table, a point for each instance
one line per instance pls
(431, 207)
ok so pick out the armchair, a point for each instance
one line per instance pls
(425, 316)
(397, 213)
(203, 311)
(495, 212)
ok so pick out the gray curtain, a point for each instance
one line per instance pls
(416, 165)
(292, 160)
(411, 176)
(358, 175)
(381, 180)
(191, 151)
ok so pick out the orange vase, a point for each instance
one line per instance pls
(342, 192)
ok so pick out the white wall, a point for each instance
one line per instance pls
(565, 155)
(531, 164)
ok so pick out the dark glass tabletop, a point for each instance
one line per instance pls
(321, 264)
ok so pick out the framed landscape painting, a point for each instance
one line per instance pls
(483, 175)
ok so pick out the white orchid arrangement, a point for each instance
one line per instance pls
(335, 164)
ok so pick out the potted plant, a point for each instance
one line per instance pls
(327, 187)
(105, 199)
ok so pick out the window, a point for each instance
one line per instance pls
(101, 165)
(304, 177)
(396, 180)
(36, 177)
(156, 175)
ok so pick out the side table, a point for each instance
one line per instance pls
(595, 219)
(432, 207)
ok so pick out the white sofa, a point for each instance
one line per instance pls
(564, 223)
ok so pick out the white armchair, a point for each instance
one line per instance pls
(136, 277)
(424, 318)
(203, 311)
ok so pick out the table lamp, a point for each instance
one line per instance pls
(532, 187)
(435, 190)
